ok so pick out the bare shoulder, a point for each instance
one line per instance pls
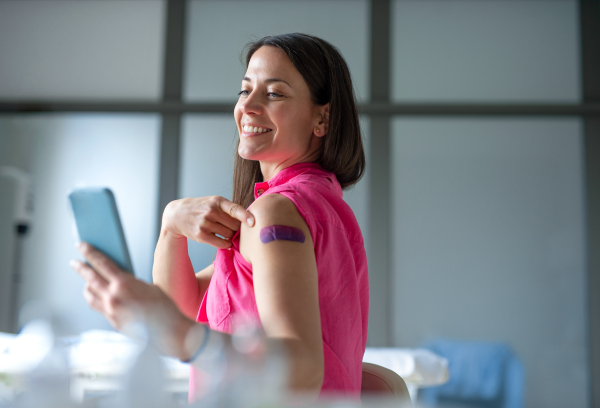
(270, 210)
(275, 208)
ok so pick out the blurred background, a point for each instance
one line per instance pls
(479, 119)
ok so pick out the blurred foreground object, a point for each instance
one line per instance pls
(122, 372)
(480, 373)
(107, 369)
(250, 371)
(34, 368)
(418, 368)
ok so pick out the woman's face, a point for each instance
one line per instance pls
(278, 123)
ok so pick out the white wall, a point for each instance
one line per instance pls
(488, 223)
(489, 243)
(91, 49)
(494, 51)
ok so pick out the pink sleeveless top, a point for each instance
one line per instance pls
(342, 273)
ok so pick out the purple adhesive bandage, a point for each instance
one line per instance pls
(281, 232)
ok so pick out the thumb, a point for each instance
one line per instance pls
(237, 211)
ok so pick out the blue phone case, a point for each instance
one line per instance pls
(98, 223)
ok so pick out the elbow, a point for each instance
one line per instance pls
(317, 380)
(307, 376)
(311, 382)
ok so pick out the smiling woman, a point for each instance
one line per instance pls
(313, 74)
(277, 121)
(294, 261)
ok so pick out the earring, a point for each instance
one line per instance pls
(317, 130)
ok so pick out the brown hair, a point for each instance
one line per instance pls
(328, 78)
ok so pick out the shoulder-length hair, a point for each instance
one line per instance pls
(328, 78)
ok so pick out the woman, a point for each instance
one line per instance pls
(294, 261)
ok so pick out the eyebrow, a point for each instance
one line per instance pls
(268, 80)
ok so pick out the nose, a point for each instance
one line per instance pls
(251, 104)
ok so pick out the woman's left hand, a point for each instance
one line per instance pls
(123, 300)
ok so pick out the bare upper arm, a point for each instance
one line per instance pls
(203, 278)
(286, 289)
(284, 273)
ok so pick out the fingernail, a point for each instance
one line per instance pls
(250, 221)
(73, 264)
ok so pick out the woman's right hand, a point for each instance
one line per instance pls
(201, 218)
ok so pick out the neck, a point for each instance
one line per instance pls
(269, 168)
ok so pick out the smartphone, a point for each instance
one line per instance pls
(98, 223)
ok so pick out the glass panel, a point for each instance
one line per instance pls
(61, 152)
(81, 49)
(206, 168)
(214, 72)
(493, 51)
(488, 242)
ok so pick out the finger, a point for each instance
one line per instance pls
(92, 299)
(227, 221)
(215, 241)
(236, 211)
(93, 291)
(217, 228)
(96, 303)
(100, 262)
(91, 277)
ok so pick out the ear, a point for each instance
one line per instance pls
(323, 121)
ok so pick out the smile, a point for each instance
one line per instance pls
(255, 129)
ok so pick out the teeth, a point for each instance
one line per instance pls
(254, 129)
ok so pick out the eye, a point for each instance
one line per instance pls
(243, 92)
(274, 95)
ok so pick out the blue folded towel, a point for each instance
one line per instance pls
(478, 371)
